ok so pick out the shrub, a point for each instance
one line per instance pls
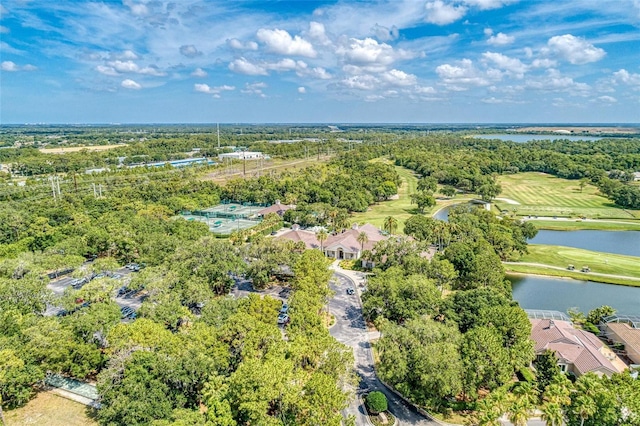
(376, 402)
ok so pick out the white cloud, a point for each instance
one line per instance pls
(3, 29)
(318, 34)
(543, 63)
(234, 43)
(399, 78)
(138, 9)
(199, 72)
(190, 51)
(102, 69)
(205, 88)
(503, 62)
(243, 66)
(285, 64)
(488, 4)
(458, 77)
(441, 13)
(281, 42)
(500, 39)
(302, 89)
(11, 66)
(370, 54)
(554, 81)
(624, 76)
(384, 33)
(360, 82)
(130, 84)
(255, 89)
(124, 66)
(607, 99)
(576, 50)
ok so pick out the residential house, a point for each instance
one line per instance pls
(277, 208)
(578, 351)
(624, 329)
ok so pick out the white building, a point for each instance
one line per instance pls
(241, 155)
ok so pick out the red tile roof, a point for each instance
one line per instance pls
(572, 346)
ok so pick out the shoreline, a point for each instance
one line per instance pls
(586, 277)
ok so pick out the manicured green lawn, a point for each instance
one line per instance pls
(573, 225)
(541, 194)
(401, 209)
(604, 263)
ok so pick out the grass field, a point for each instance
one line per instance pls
(541, 194)
(49, 409)
(558, 258)
(572, 225)
(400, 208)
(63, 150)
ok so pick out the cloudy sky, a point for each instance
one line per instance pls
(254, 61)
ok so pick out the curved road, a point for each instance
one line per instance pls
(350, 329)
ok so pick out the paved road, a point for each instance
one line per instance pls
(350, 329)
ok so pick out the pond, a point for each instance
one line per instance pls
(534, 292)
(521, 138)
(618, 242)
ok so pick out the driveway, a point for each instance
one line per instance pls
(351, 330)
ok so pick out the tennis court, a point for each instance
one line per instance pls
(221, 225)
(232, 210)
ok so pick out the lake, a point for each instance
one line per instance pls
(618, 242)
(533, 292)
(521, 138)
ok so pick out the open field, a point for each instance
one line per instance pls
(400, 208)
(541, 194)
(573, 225)
(253, 169)
(553, 260)
(93, 148)
(49, 409)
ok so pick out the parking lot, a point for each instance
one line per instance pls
(129, 299)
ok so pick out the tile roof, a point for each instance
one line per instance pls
(349, 238)
(630, 338)
(309, 238)
(276, 208)
(572, 346)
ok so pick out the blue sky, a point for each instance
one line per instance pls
(407, 61)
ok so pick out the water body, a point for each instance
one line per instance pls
(442, 214)
(521, 138)
(617, 242)
(533, 292)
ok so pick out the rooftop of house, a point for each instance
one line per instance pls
(276, 208)
(347, 239)
(572, 346)
(630, 335)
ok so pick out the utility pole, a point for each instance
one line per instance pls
(100, 190)
(58, 186)
(53, 189)
(244, 164)
(95, 194)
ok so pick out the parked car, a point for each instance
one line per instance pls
(122, 290)
(127, 312)
(283, 319)
(350, 290)
(284, 309)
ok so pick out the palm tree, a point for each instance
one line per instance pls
(362, 239)
(552, 413)
(585, 407)
(322, 237)
(519, 412)
(390, 224)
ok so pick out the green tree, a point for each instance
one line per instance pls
(485, 360)
(362, 239)
(547, 370)
(322, 237)
(390, 224)
(376, 402)
(423, 199)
